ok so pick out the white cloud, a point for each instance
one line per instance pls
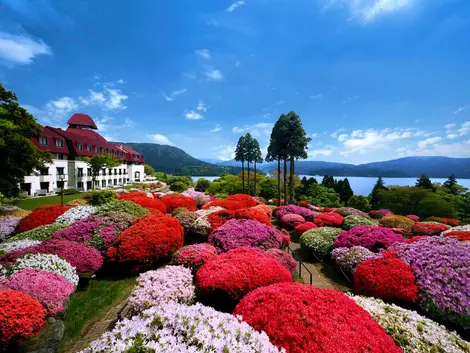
(224, 152)
(314, 135)
(461, 109)
(429, 142)
(201, 106)
(456, 149)
(214, 75)
(450, 126)
(18, 49)
(320, 152)
(173, 94)
(235, 5)
(192, 115)
(115, 99)
(161, 139)
(120, 81)
(257, 130)
(464, 129)
(60, 108)
(216, 129)
(452, 136)
(342, 137)
(109, 99)
(369, 10)
(203, 53)
(317, 96)
(104, 123)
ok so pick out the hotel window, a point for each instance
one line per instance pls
(43, 140)
(102, 149)
(104, 171)
(95, 149)
(60, 171)
(88, 148)
(79, 145)
(80, 172)
(44, 171)
(120, 154)
(59, 143)
(89, 172)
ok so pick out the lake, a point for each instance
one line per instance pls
(364, 185)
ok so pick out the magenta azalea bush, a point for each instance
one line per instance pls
(294, 209)
(7, 226)
(49, 288)
(292, 219)
(200, 197)
(237, 233)
(283, 258)
(370, 237)
(194, 256)
(413, 217)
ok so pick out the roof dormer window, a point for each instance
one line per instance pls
(43, 140)
(95, 149)
(79, 145)
(59, 143)
(88, 148)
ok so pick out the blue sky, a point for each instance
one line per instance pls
(371, 79)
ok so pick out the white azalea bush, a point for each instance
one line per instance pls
(75, 214)
(202, 213)
(201, 226)
(349, 258)
(318, 241)
(464, 228)
(174, 327)
(168, 284)
(17, 245)
(412, 332)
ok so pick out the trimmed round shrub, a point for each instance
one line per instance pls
(330, 219)
(450, 221)
(49, 288)
(240, 271)
(227, 204)
(40, 233)
(246, 200)
(386, 278)
(421, 228)
(283, 258)
(20, 316)
(149, 239)
(238, 233)
(292, 220)
(304, 319)
(200, 198)
(179, 210)
(265, 209)
(413, 217)
(180, 328)
(378, 214)
(219, 218)
(201, 227)
(355, 220)
(394, 221)
(416, 238)
(144, 201)
(294, 209)
(8, 226)
(317, 242)
(256, 214)
(128, 207)
(194, 256)
(350, 211)
(168, 284)
(459, 234)
(40, 217)
(302, 228)
(174, 201)
(412, 332)
(349, 258)
(75, 214)
(370, 237)
(17, 245)
(205, 212)
(186, 219)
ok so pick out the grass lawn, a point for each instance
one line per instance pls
(90, 303)
(32, 203)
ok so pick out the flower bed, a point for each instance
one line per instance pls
(416, 238)
(201, 227)
(219, 218)
(168, 284)
(127, 207)
(412, 332)
(186, 219)
(40, 233)
(302, 228)
(386, 278)
(227, 204)
(200, 198)
(240, 271)
(174, 201)
(75, 214)
(450, 221)
(205, 212)
(173, 327)
(378, 214)
(292, 220)
(421, 228)
(370, 237)
(305, 319)
(194, 256)
(349, 258)
(17, 245)
(246, 200)
(294, 209)
(254, 213)
(49, 288)
(350, 211)
(394, 221)
(144, 201)
(329, 219)
(8, 226)
(238, 233)
(317, 242)
(355, 220)
(20, 316)
(265, 209)
(413, 217)
(41, 216)
(149, 239)
(459, 234)
(283, 258)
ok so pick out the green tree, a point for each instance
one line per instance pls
(203, 184)
(98, 162)
(257, 158)
(20, 157)
(323, 196)
(451, 184)
(360, 202)
(268, 188)
(148, 170)
(343, 189)
(249, 156)
(328, 182)
(240, 155)
(374, 195)
(424, 182)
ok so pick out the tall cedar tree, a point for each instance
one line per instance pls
(257, 157)
(450, 183)
(424, 182)
(98, 162)
(374, 195)
(20, 157)
(297, 146)
(248, 156)
(240, 154)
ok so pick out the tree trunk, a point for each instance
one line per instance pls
(291, 181)
(279, 182)
(285, 181)
(248, 166)
(243, 176)
(254, 192)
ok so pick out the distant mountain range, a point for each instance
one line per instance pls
(174, 160)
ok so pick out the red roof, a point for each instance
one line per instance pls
(83, 120)
(50, 143)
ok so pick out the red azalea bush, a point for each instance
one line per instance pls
(386, 278)
(143, 200)
(227, 204)
(174, 201)
(254, 214)
(264, 208)
(194, 256)
(304, 319)
(246, 200)
(147, 240)
(304, 203)
(283, 258)
(461, 235)
(421, 228)
(377, 214)
(413, 217)
(219, 218)
(292, 220)
(416, 238)
(20, 315)
(450, 221)
(239, 271)
(329, 219)
(302, 228)
(41, 216)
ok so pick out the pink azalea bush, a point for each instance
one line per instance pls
(292, 220)
(49, 288)
(283, 258)
(370, 237)
(413, 217)
(200, 198)
(294, 209)
(194, 256)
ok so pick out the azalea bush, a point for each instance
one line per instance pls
(378, 214)
(149, 239)
(194, 256)
(41, 216)
(394, 221)
(174, 327)
(75, 214)
(254, 213)
(246, 200)
(284, 258)
(144, 201)
(413, 217)
(219, 218)
(238, 233)
(411, 331)
(40, 233)
(265, 209)
(317, 242)
(168, 284)
(240, 271)
(49, 288)
(205, 212)
(356, 220)
(421, 228)
(17, 245)
(304, 319)
(20, 316)
(458, 234)
(350, 211)
(293, 209)
(8, 226)
(450, 221)
(292, 220)
(349, 258)
(370, 237)
(128, 207)
(386, 278)
(329, 219)
(200, 227)
(200, 198)
(303, 227)
(227, 204)
(186, 219)
(173, 201)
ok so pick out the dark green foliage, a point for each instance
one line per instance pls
(148, 170)
(240, 156)
(99, 161)
(178, 186)
(424, 182)
(206, 170)
(179, 183)
(328, 182)
(203, 184)
(343, 189)
(68, 192)
(226, 184)
(320, 195)
(374, 195)
(360, 202)
(97, 198)
(268, 188)
(20, 157)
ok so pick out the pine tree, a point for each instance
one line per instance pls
(249, 156)
(257, 157)
(240, 154)
(450, 183)
(374, 195)
(424, 182)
